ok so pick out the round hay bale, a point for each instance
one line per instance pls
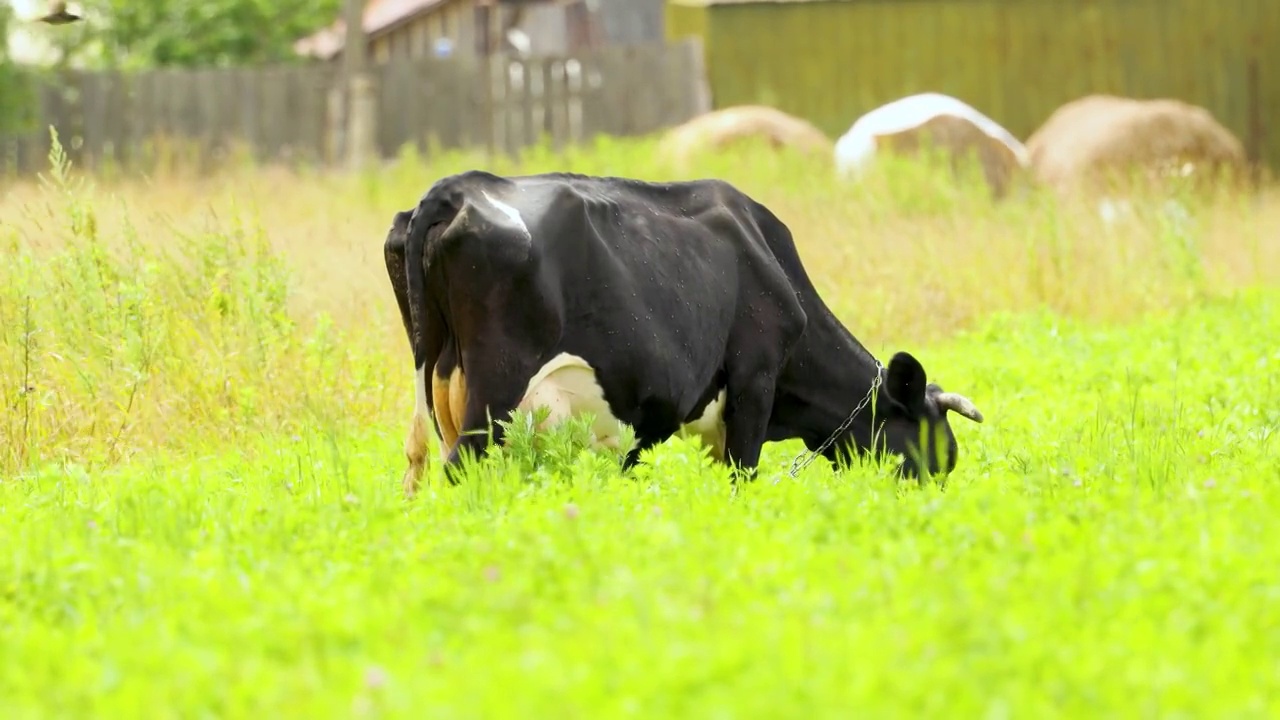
(721, 130)
(945, 123)
(1090, 141)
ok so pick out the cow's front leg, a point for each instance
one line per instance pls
(748, 404)
(752, 380)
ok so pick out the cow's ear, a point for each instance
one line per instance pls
(906, 382)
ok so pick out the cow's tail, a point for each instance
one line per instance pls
(436, 208)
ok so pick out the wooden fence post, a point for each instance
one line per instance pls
(699, 86)
(362, 124)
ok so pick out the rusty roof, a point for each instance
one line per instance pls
(379, 15)
(701, 3)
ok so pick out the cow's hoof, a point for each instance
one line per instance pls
(412, 479)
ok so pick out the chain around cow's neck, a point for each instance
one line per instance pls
(801, 461)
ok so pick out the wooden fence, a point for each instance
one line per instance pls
(286, 113)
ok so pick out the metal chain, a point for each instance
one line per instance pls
(797, 465)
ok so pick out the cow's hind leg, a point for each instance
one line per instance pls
(494, 390)
(415, 443)
(448, 395)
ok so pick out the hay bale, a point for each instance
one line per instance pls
(721, 130)
(946, 124)
(1096, 139)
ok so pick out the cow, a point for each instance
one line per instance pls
(673, 307)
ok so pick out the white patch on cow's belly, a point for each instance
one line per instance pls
(710, 426)
(567, 387)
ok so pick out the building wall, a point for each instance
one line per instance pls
(416, 38)
(547, 31)
(623, 21)
(632, 22)
(1015, 60)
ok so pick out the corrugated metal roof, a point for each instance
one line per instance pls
(747, 2)
(378, 15)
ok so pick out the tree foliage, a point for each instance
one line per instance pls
(200, 33)
(15, 86)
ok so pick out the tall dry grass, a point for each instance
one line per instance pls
(179, 311)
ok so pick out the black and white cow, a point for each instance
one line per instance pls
(672, 307)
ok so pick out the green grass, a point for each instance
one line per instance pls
(201, 514)
(1107, 547)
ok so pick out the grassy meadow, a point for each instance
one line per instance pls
(206, 388)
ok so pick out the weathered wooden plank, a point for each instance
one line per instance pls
(281, 113)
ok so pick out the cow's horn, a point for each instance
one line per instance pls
(960, 404)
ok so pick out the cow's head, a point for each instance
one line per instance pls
(916, 412)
